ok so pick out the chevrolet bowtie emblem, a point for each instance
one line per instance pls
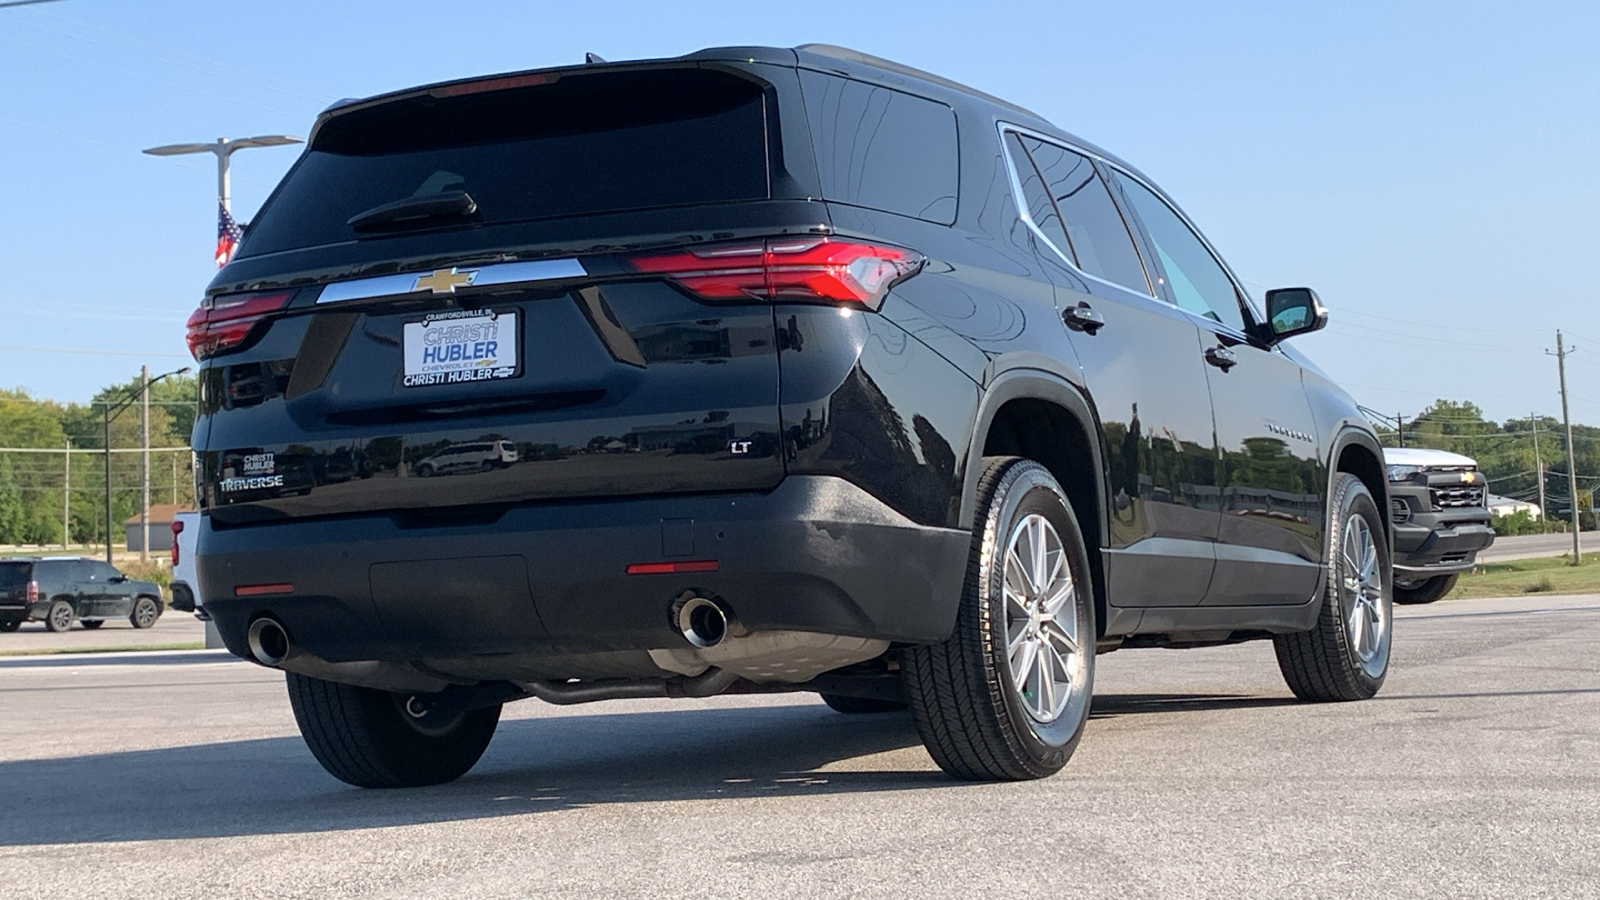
(444, 281)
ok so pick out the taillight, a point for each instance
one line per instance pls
(33, 592)
(787, 269)
(177, 529)
(222, 323)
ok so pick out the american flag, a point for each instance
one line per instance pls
(228, 234)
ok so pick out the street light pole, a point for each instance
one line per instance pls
(110, 412)
(144, 464)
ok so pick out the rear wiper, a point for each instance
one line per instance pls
(433, 206)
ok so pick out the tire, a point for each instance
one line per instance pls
(59, 616)
(366, 738)
(975, 718)
(91, 624)
(145, 612)
(1424, 591)
(424, 471)
(861, 706)
(9, 625)
(1346, 656)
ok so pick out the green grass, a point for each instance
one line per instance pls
(1515, 577)
(56, 651)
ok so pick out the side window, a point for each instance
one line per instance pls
(1100, 238)
(1198, 281)
(1040, 209)
(104, 572)
(883, 149)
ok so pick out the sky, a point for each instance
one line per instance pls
(1428, 167)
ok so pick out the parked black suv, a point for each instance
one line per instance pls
(58, 590)
(823, 373)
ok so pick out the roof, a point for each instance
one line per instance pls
(161, 513)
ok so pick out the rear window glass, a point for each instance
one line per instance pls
(883, 149)
(14, 575)
(581, 145)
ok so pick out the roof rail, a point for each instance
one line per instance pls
(878, 62)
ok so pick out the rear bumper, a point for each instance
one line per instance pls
(816, 554)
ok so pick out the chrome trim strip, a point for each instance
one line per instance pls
(496, 273)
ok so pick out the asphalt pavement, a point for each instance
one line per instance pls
(1534, 546)
(172, 628)
(1472, 774)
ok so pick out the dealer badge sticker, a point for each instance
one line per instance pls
(461, 346)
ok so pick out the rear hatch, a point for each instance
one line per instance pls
(14, 578)
(456, 299)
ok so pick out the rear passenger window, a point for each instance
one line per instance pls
(883, 149)
(1198, 282)
(1040, 209)
(1099, 238)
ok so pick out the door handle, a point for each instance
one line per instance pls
(1221, 357)
(1083, 318)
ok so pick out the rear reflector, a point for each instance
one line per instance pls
(256, 590)
(787, 269)
(222, 323)
(673, 568)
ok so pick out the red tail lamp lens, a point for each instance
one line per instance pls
(222, 323)
(787, 269)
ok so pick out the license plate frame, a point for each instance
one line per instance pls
(461, 347)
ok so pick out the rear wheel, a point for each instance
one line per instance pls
(854, 706)
(376, 739)
(1423, 590)
(145, 612)
(91, 624)
(59, 616)
(1346, 656)
(7, 625)
(1006, 697)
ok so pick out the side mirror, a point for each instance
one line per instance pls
(117, 579)
(1292, 311)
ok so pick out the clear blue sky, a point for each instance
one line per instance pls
(1430, 168)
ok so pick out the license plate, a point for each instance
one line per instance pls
(461, 347)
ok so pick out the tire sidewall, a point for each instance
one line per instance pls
(1029, 489)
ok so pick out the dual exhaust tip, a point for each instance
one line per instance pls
(703, 623)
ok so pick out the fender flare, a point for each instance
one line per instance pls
(1029, 383)
(1353, 435)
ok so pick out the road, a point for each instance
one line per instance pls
(1471, 775)
(1532, 546)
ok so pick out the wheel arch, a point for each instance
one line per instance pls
(1045, 418)
(1357, 452)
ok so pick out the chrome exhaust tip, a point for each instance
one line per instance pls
(269, 643)
(701, 622)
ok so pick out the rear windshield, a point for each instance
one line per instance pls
(14, 575)
(583, 144)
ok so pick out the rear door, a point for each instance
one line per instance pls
(15, 575)
(532, 322)
(1141, 360)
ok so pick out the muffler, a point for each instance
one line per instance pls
(701, 622)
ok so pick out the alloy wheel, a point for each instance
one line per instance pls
(1361, 583)
(1048, 666)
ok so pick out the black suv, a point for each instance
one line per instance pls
(58, 590)
(822, 374)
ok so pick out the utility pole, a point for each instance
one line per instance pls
(1572, 466)
(1400, 427)
(1538, 463)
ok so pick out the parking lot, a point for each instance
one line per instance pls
(1471, 775)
